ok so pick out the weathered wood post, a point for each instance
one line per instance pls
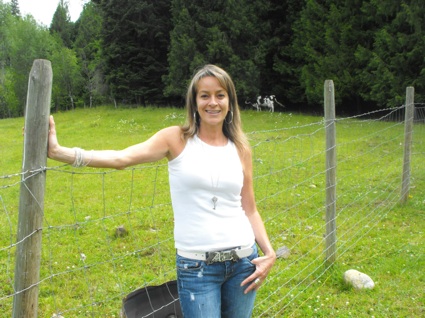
(31, 202)
(408, 132)
(329, 100)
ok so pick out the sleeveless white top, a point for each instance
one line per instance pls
(198, 174)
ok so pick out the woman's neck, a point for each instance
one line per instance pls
(213, 137)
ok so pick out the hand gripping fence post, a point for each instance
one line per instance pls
(31, 201)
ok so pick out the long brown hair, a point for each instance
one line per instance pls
(232, 126)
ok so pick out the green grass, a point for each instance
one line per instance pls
(376, 234)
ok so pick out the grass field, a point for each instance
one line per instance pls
(83, 207)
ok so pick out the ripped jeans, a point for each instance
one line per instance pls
(214, 291)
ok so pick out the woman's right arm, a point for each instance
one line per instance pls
(155, 148)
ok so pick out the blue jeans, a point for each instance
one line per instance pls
(214, 291)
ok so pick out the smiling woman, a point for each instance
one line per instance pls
(217, 226)
(213, 104)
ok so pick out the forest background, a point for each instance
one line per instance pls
(138, 53)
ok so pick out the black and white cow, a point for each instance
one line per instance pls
(265, 102)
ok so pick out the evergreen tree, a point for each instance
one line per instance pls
(15, 8)
(89, 51)
(226, 33)
(62, 25)
(396, 59)
(135, 42)
(326, 38)
(147, 49)
(372, 50)
(281, 73)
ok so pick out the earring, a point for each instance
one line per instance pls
(231, 120)
(194, 118)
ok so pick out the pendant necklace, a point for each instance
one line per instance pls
(215, 179)
(215, 174)
(214, 199)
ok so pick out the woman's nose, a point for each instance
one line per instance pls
(213, 101)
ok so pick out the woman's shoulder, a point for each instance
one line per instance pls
(175, 141)
(172, 131)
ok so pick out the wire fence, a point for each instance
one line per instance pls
(107, 233)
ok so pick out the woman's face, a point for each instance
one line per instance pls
(212, 101)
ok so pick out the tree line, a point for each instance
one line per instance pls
(138, 52)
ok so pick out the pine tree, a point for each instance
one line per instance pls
(61, 24)
(135, 38)
(395, 59)
(88, 48)
(226, 33)
(15, 8)
(281, 72)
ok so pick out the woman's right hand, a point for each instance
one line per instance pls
(53, 140)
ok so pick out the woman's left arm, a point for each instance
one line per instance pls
(264, 263)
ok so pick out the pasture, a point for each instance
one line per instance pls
(87, 267)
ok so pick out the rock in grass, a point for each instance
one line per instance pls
(358, 280)
(120, 231)
(283, 252)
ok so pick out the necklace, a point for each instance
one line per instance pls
(214, 199)
(215, 172)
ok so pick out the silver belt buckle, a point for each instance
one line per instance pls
(213, 257)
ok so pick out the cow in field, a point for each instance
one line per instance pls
(266, 102)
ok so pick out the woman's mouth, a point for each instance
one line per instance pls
(209, 111)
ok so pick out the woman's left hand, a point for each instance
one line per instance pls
(263, 266)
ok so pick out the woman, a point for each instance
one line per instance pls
(217, 225)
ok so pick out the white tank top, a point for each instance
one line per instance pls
(200, 173)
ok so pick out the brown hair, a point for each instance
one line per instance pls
(232, 127)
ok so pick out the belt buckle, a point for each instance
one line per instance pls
(213, 257)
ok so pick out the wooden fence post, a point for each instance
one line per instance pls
(329, 100)
(31, 201)
(408, 131)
